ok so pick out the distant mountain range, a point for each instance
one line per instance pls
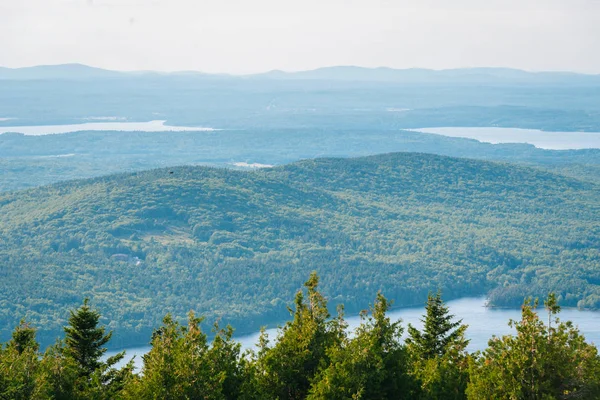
(338, 73)
(64, 71)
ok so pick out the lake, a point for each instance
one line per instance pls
(483, 324)
(150, 126)
(540, 139)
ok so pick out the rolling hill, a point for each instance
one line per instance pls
(233, 244)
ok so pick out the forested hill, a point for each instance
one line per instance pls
(235, 244)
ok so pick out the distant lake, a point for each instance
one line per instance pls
(483, 324)
(541, 139)
(150, 126)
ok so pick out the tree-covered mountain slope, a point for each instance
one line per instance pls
(235, 244)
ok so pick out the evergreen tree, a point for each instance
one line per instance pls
(439, 330)
(225, 355)
(540, 362)
(84, 344)
(551, 304)
(84, 339)
(60, 375)
(438, 356)
(371, 365)
(19, 365)
(23, 338)
(286, 370)
(179, 365)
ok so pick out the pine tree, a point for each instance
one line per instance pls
(23, 338)
(551, 304)
(179, 365)
(225, 356)
(59, 374)
(371, 365)
(286, 370)
(19, 365)
(439, 330)
(539, 362)
(84, 339)
(84, 344)
(438, 357)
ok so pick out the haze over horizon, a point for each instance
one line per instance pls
(318, 68)
(239, 38)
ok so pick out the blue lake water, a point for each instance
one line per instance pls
(483, 324)
(150, 126)
(540, 139)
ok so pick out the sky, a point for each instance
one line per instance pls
(249, 36)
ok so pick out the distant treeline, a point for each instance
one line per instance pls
(29, 161)
(312, 357)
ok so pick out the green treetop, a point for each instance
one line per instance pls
(287, 369)
(84, 339)
(438, 356)
(23, 338)
(539, 362)
(439, 330)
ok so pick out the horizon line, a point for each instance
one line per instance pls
(183, 71)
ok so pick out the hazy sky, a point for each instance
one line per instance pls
(243, 36)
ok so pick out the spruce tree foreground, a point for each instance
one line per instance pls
(313, 357)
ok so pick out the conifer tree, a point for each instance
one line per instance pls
(23, 338)
(371, 365)
(84, 344)
(224, 354)
(19, 364)
(179, 365)
(539, 362)
(60, 374)
(439, 330)
(286, 370)
(438, 356)
(84, 339)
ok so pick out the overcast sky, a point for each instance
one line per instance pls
(245, 36)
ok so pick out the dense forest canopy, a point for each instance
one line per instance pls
(235, 245)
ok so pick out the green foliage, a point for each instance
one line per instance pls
(287, 370)
(371, 365)
(30, 161)
(180, 364)
(60, 377)
(18, 372)
(225, 354)
(440, 332)
(68, 371)
(438, 354)
(74, 369)
(23, 338)
(19, 364)
(234, 244)
(85, 340)
(540, 362)
(313, 358)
